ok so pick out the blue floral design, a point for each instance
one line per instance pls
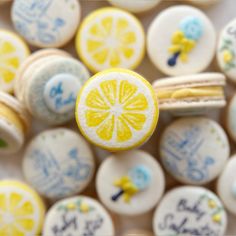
(192, 27)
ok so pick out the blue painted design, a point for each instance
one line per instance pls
(33, 20)
(192, 27)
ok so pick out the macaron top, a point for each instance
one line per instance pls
(194, 150)
(78, 216)
(226, 185)
(58, 163)
(13, 51)
(117, 110)
(190, 211)
(110, 37)
(130, 183)
(22, 210)
(226, 50)
(181, 40)
(44, 23)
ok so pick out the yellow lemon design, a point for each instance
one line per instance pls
(110, 37)
(21, 210)
(117, 109)
(12, 52)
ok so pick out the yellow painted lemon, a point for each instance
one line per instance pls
(117, 109)
(110, 37)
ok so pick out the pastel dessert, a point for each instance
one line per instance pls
(190, 211)
(110, 37)
(226, 185)
(13, 51)
(14, 124)
(191, 94)
(226, 51)
(117, 110)
(58, 163)
(78, 216)
(21, 209)
(194, 150)
(47, 84)
(130, 183)
(181, 40)
(43, 23)
(134, 5)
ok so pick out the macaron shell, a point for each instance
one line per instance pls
(145, 95)
(190, 210)
(194, 150)
(84, 211)
(58, 163)
(226, 52)
(58, 26)
(25, 200)
(13, 52)
(226, 186)
(166, 26)
(118, 27)
(114, 168)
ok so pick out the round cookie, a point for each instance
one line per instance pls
(48, 85)
(190, 211)
(130, 183)
(110, 37)
(138, 232)
(134, 5)
(14, 124)
(78, 216)
(13, 51)
(181, 40)
(226, 50)
(43, 23)
(22, 210)
(117, 110)
(226, 185)
(230, 118)
(58, 163)
(194, 150)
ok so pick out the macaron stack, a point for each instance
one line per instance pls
(110, 142)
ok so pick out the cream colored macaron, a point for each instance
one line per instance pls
(117, 110)
(22, 210)
(14, 124)
(110, 37)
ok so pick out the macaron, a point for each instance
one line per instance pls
(14, 124)
(13, 51)
(190, 211)
(191, 94)
(22, 211)
(181, 40)
(110, 37)
(45, 24)
(117, 110)
(58, 163)
(135, 6)
(47, 84)
(78, 216)
(130, 183)
(226, 185)
(194, 150)
(138, 232)
(226, 51)
(231, 118)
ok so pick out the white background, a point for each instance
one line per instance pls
(220, 14)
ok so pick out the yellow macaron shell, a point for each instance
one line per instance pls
(25, 211)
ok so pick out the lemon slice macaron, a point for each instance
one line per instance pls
(110, 37)
(21, 209)
(117, 110)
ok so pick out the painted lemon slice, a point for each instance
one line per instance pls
(21, 210)
(117, 110)
(110, 37)
(12, 52)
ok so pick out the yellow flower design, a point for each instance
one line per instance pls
(228, 56)
(115, 109)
